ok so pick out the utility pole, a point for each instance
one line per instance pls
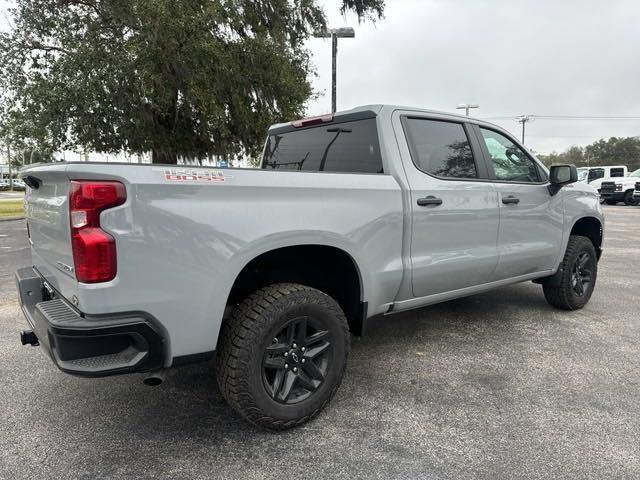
(466, 107)
(334, 34)
(523, 119)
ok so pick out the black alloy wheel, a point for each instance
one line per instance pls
(582, 274)
(572, 286)
(295, 365)
(282, 354)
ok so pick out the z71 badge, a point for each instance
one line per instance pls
(193, 175)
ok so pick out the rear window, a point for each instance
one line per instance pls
(617, 172)
(350, 147)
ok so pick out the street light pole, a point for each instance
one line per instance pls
(466, 107)
(334, 34)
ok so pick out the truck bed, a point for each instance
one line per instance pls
(184, 234)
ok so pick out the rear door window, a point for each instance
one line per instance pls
(440, 148)
(350, 147)
(617, 172)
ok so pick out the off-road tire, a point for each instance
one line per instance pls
(629, 200)
(564, 296)
(245, 336)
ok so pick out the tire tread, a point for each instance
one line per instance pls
(243, 329)
(560, 296)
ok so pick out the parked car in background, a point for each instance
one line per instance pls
(372, 211)
(595, 175)
(6, 184)
(19, 184)
(613, 191)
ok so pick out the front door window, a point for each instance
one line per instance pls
(510, 162)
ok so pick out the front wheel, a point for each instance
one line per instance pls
(282, 355)
(629, 199)
(579, 270)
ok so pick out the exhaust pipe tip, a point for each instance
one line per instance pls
(154, 379)
(27, 337)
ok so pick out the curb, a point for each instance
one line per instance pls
(8, 219)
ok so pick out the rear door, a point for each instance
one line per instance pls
(531, 219)
(454, 210)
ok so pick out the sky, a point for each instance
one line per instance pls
(512, 57)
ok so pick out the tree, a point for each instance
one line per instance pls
(178, 78)
(614, 151)
(24, 141)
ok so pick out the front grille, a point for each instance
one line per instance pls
(638, 186)
(608, 187)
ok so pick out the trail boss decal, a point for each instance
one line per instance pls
(193, 175)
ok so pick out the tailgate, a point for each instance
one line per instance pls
(47, 209)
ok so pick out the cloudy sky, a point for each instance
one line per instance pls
(512, 57)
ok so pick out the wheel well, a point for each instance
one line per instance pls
(591, 228)
(329, 269)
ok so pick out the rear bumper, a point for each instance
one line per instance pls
(88, 345)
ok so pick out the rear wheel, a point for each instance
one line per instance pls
(629, 200)
(578, 278)
(282, 355)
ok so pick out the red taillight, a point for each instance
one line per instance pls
(94, 250)
(309, 121)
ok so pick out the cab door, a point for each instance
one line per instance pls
(531, 219)
(453, 208)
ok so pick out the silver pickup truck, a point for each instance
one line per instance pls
(372, 211)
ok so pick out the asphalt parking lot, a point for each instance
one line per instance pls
(498, 385)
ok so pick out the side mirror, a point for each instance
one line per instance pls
(561, 175)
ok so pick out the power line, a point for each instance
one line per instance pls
(566, 117)
(585, 117)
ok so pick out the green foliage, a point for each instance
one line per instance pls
(11, 208)
(614, 151)
(179, 78)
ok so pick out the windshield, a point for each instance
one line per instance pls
(635, 173)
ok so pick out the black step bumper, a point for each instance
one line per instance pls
(88, 345)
